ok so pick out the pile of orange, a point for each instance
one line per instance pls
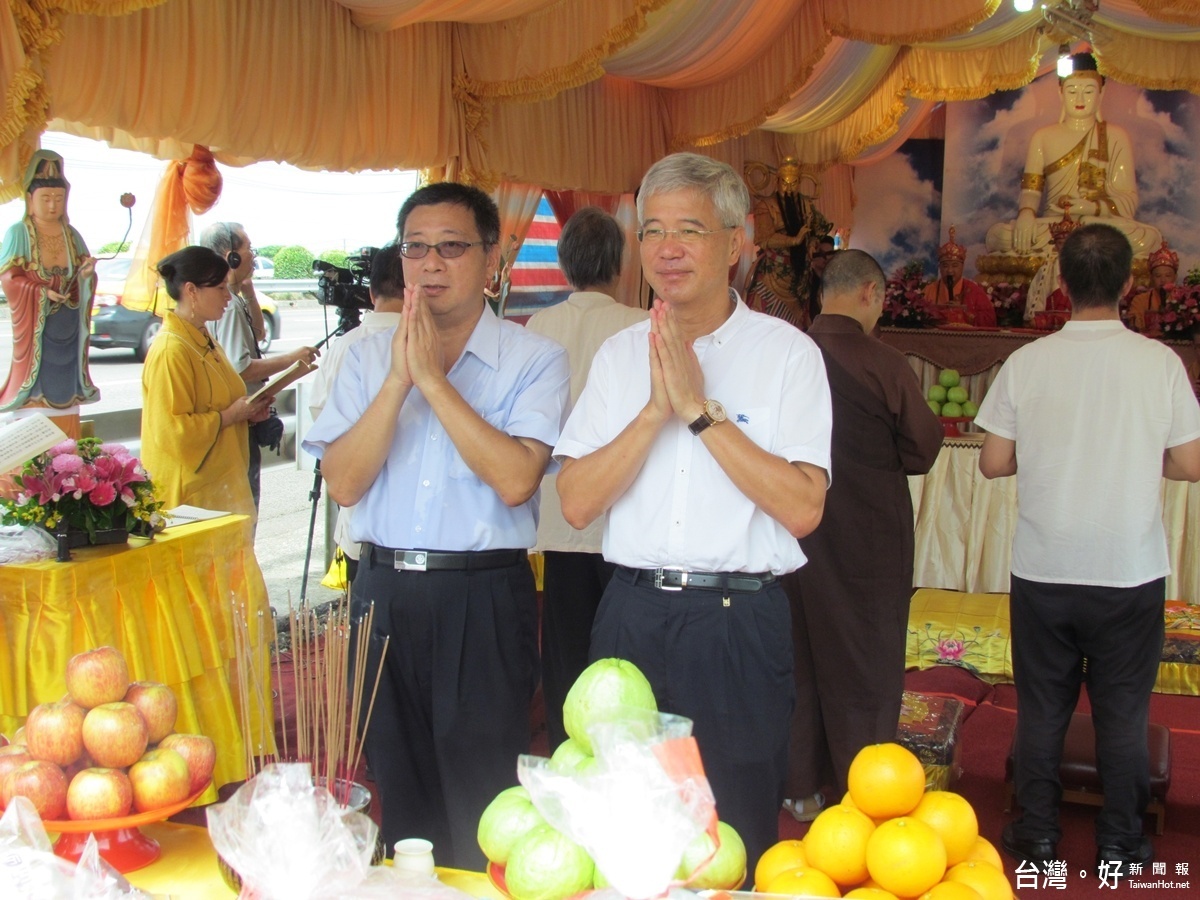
(889, 838)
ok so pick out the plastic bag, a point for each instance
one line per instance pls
(638, 809)
(287, 838)
(29, 868)
(22, 544)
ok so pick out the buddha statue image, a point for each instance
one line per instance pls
(1083, 160)
(49, 280)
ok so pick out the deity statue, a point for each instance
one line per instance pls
(1144, 307)
(1080, 159)
(1044, 293)
(788, 230)
(49, 280)
(958, 299)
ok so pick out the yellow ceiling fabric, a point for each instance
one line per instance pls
(568, 94)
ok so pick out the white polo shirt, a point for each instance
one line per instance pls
(682, 510)
(1092, 408)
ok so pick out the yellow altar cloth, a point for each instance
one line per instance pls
(187, 869)
(169, 607)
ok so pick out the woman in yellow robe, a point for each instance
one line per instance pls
(195, 410)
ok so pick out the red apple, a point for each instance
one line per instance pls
(12, 757)
(3, 741)
(159, 779)
(99, 794)
(198, 751)
(43, 783)
(115, 735)
(54, 732)
(97, 676)
(156, 703)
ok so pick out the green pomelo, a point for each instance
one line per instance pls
(970, 409)
(936, 393)
(958, 394)
(948, 378)
(568, 757)
(598, 694)
(935, 406)
(951, 410)
(599, 882)
(547, 865)
(725, 872)
(506, 820)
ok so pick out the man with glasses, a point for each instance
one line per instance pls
(702, 437)
(440, 430)
(241, 328)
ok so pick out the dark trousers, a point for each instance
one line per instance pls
(1119, 632)
(725, 662)
(255, 470)
(572, 585)
(452, 713)
(849, 631)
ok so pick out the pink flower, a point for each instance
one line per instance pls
(103, 494)
(67, 446)
(67, 463)
(950, 649)
(119, 451)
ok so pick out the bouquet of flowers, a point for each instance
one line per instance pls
(904, 303)
(1009, 301)
(85, 486)
(1180, 311)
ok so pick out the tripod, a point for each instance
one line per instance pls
(314, 497)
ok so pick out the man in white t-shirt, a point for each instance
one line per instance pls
(702, 439)
(1089, 420)
(574, 573)
(386, 286)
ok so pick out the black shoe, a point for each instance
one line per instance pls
(1138, 850)
(1037, 852)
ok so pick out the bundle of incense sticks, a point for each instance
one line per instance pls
(248, 662)
(329, 671)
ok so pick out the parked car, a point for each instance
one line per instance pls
(263, 267)
(115, 325)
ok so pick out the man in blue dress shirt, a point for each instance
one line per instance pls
(439, 432)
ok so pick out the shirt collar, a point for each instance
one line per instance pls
(837, 323)
(730, 327)
(484, 342)
(589, 299)
(1093, 325)
(172, 321)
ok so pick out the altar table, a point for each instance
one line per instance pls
(965, 524)
(169, 607)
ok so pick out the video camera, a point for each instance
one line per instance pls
(345, 288)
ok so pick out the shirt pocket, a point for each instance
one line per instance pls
(458, 468)
(755, 422)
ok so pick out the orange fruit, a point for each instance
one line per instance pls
(779, 858)
(886, 780)
(990, 882)
(870, 893)
(836, 844)
(906, 857)
(807, 882)
(984, 850)
(952, 817)
(951, 890)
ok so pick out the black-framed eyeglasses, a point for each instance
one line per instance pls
(445, 249)
(683, 235)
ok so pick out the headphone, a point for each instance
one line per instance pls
(232, 257)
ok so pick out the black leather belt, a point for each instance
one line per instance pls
(678, 579)
(432, 560)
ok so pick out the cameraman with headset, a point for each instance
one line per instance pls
(386, 289)
(239, 331)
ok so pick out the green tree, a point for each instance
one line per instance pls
(337, 257)
(113, 247)
(293, 262)
(269, 251)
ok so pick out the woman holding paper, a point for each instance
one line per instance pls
(195, 409)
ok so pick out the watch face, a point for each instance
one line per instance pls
(714, 411)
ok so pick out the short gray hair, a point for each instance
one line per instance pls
(220, 236)
(848, 270)
(691, 171)
(590, 248)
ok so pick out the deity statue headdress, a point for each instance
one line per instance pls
(44, 165)
(1164, 256)
(951, 251)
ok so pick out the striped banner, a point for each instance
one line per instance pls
(537, 281)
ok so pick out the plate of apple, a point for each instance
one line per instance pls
(105, 760)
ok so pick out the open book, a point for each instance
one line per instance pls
(25, 438)
(288, 376)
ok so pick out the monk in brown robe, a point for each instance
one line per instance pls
(850, 602)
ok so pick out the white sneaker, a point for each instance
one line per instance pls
(807, 809)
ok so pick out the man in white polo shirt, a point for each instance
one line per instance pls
(702, 438)
(1089, 420)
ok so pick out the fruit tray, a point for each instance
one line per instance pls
(122, 845)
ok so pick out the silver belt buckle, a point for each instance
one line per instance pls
(658, 580)
(410, 560)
